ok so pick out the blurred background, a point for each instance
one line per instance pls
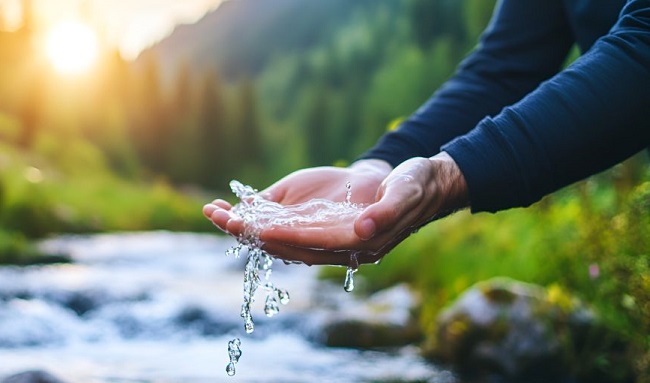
(101, 96)
(129, 115)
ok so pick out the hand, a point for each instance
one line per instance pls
(306, 184)
(416, 192)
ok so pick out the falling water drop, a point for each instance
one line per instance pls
(284, 296)
(249, 326)
(348, 193)
(258, 214)
(234, 353)
(348, 284)
(271, 306)
(234, 350)
(230, 369)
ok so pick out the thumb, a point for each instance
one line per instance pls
(393, 202)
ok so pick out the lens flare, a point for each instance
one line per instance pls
(71, 47)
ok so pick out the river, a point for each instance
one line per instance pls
(160, 307)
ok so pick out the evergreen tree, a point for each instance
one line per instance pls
(185, 164)
(152, 135)
(32, 111)
(183, 91)
(212, 138)
(316, 124)
(432, 18)
(32, 107)
(249, 147)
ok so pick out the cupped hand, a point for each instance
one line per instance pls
(416, 192)
(325, 182)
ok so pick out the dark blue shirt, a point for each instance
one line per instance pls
(519, 126)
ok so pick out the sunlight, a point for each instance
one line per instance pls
(71, 47)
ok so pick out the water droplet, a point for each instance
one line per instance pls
(234, 353)
(348, 285)
(230, 369)
(259, 214)
(249, 326)
(348, 193)
(234, 350)
(283, 295)
(271, 306)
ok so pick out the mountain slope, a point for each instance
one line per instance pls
(241, 36)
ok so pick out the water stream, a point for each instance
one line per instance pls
(160, 307)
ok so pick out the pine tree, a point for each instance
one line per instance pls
(151, 130)
(318, 152)
(212, 138)
(249, 143)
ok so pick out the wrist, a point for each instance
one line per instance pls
(451, 180)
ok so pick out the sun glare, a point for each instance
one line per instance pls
(71, 47)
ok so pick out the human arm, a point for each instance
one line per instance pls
(587, 118)
(525, 43)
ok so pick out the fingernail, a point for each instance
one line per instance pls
(367, 229)
(208, 209)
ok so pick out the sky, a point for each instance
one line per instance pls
(131, 25)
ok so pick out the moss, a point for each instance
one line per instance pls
(15, 249)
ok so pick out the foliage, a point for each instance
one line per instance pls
(591, 240)
(297, 86)
(39, 199)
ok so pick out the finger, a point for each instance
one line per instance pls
(396, 208)
(274, 193)
(235, 226)
(208, 209)
(222, 204)
(225, 220)
(219, 217)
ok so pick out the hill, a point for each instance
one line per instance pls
(241, 36)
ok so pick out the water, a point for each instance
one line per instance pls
(234, 353)
(159, 307)
(259, 214)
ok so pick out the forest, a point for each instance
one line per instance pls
(142, 144)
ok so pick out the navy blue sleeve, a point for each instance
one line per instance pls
(587, 118)
(525, 43)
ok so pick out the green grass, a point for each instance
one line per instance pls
(69, 189)
(41, 195)
(600, 222)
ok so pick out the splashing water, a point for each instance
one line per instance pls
(234, 353)
(348, 285)
(258, 214)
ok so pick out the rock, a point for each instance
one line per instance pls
(385, 319)
(35, 376)
(514, 329)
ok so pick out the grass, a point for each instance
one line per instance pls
(76, 192)
(600, 223)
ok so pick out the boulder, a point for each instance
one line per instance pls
(34, 376)
(385, 319)
(516, 330)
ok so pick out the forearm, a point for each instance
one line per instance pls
(525, 44)
(586, 119)
(450, 181)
